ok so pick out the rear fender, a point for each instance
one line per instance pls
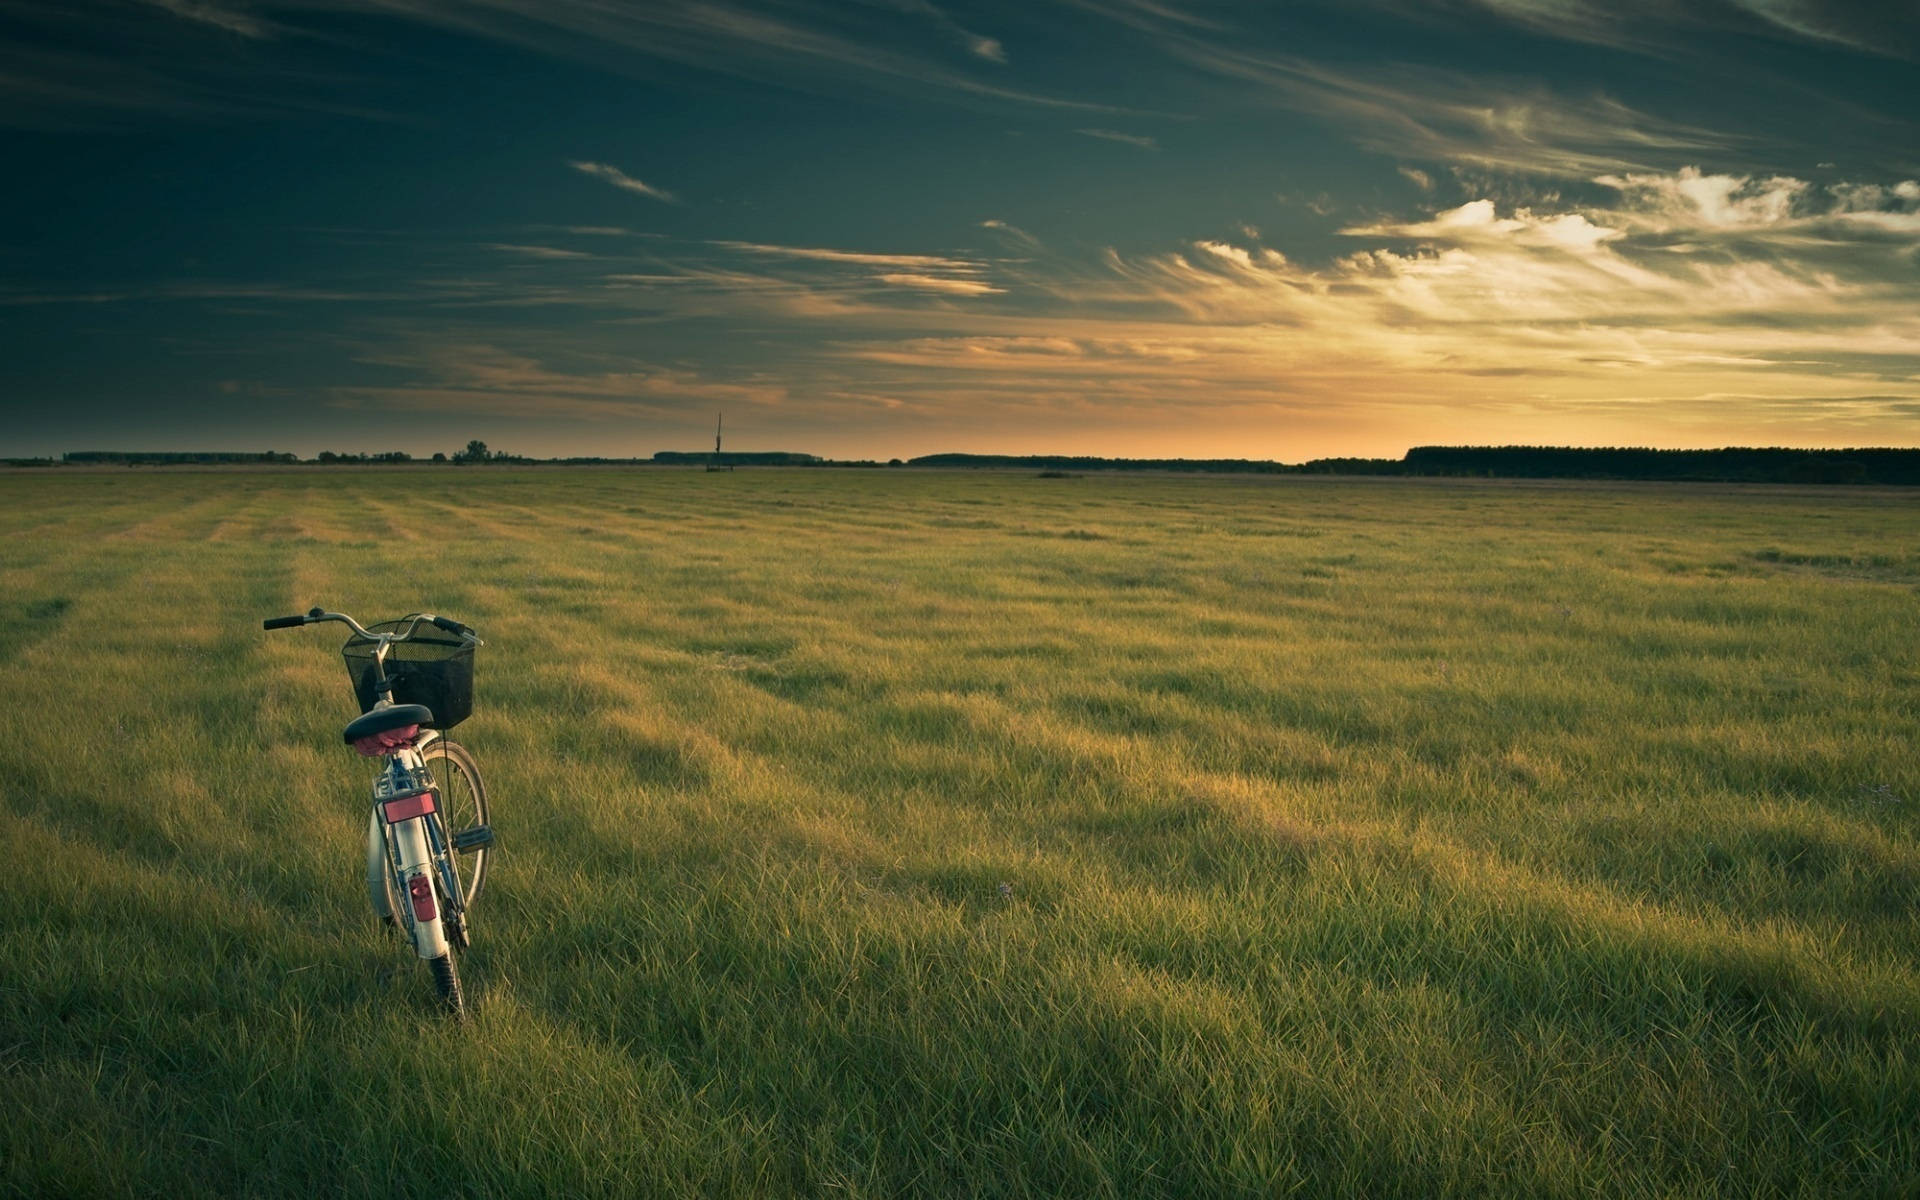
(379, 872)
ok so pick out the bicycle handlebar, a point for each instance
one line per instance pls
(317, 614)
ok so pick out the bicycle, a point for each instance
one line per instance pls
(413, 678)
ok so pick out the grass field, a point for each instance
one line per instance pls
(901, 833)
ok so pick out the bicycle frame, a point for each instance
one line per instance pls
(412, 849)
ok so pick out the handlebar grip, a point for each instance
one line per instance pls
(451, 625)
(283, 622)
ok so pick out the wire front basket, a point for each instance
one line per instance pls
(433, 667)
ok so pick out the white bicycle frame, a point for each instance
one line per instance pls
(401, 859)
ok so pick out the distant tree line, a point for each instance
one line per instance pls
(1058, 462)
(475, 452)
(1864, 465)
(391, 456)
(1899, 467)
(162, 457)
(737, 458)
(1735, 464)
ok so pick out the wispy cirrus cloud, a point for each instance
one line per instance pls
(219, 16)
(795, 43)
(620, 179)
(926, 273)
(1130, 139)
(1464, 118)
(1012, 235)
(1861, 25)
(151, 56)
(487, 377)
(934, 283)
(547, 252)
(1156, 17)
(857, 257)
(1566, 112)
(46, 88)
(1653, 27)
(976, 44)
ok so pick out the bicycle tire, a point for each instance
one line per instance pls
(463, 804)
(446, 984)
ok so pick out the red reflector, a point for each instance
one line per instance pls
(420, 891)
(408, 807)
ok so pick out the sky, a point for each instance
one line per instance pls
(886, 228)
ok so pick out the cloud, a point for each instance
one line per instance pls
(45, 88)
(1654, 27)
(1131, 139)
(862, 258)
(1012, 235)
(1150, 16)
(620, 179)
(1519, 120)
(819, 281)
(549, 252)
(134, 66)
(1766, 208)
(793, 44)
(1693, 199)
(1476, 220)
(692, 292)
(1059, 354)
(981, 47)
(953, 287)
(1419, 178)
(215, 15)
(1232, 254)
(216, 291)
(1466, 119)
(489, 379)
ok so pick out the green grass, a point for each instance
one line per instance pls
(901, 833)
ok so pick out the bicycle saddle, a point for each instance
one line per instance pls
(382, 719)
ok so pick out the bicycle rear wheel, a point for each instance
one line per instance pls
(463, 805)
(446, 985)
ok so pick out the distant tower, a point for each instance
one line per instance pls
(716, 465)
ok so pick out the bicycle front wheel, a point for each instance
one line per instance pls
(463, 805)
